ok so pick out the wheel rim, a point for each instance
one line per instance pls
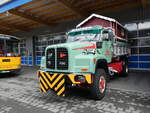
(102, 84)
(126, 68)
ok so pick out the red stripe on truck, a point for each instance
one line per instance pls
(93, 46)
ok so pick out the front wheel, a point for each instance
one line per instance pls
(98, 88)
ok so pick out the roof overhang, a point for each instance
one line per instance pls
(6, 5)
(20, 17)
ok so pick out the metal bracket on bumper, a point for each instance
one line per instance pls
(56, 81)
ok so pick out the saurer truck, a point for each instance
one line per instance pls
(95, 51)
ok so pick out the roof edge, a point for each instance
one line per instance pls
(10, 36)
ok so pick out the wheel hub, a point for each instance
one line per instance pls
(102, 84)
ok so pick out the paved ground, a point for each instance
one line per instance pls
(20, 94)
(138, 81)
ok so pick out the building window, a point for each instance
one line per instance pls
(41, 42)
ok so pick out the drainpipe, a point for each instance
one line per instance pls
(138, 51)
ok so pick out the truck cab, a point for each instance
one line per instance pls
(87, 59)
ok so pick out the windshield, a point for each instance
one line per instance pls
(8, 48)
(83, 37)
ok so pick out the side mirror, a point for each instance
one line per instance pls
(111, 35)
(98, 45)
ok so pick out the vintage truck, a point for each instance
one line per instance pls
(95, 50)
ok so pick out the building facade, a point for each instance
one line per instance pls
(33, 48)
(139, 38)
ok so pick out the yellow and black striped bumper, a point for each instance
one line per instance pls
(56, 81)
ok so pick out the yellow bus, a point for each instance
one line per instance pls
(10, 61)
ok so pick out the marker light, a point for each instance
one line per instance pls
(84, 69)
(94, 60)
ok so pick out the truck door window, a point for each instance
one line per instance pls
(108, 35)
(105, 35)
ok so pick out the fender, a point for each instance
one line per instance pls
(102, 63)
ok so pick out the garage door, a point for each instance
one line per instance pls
(140, 50)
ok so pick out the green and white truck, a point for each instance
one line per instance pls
(95, 50)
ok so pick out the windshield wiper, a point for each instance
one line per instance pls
(76, 39)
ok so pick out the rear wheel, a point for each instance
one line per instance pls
(98, 88)
(125, 69)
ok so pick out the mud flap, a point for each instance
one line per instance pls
(53, 81)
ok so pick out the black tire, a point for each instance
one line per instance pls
(108, 78)
(17, 72)
(125, 69)
(97, 91)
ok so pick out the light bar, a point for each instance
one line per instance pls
(2, 2)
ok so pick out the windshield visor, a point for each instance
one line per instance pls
(88, 35)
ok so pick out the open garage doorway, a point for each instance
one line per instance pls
(139, 39)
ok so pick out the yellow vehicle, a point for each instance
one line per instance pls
(10, 60)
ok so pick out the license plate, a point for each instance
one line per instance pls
(6, 60)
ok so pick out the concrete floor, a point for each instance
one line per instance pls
(20, 94)
(138, 81)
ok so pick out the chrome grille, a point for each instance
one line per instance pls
(50, 58)
(57, 58)
(62, 58)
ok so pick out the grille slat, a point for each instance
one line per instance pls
(50, 58)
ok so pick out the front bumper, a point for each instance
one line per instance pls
(57, 81)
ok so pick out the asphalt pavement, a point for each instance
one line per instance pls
(20, 94)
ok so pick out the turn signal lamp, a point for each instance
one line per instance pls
(94, 60)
